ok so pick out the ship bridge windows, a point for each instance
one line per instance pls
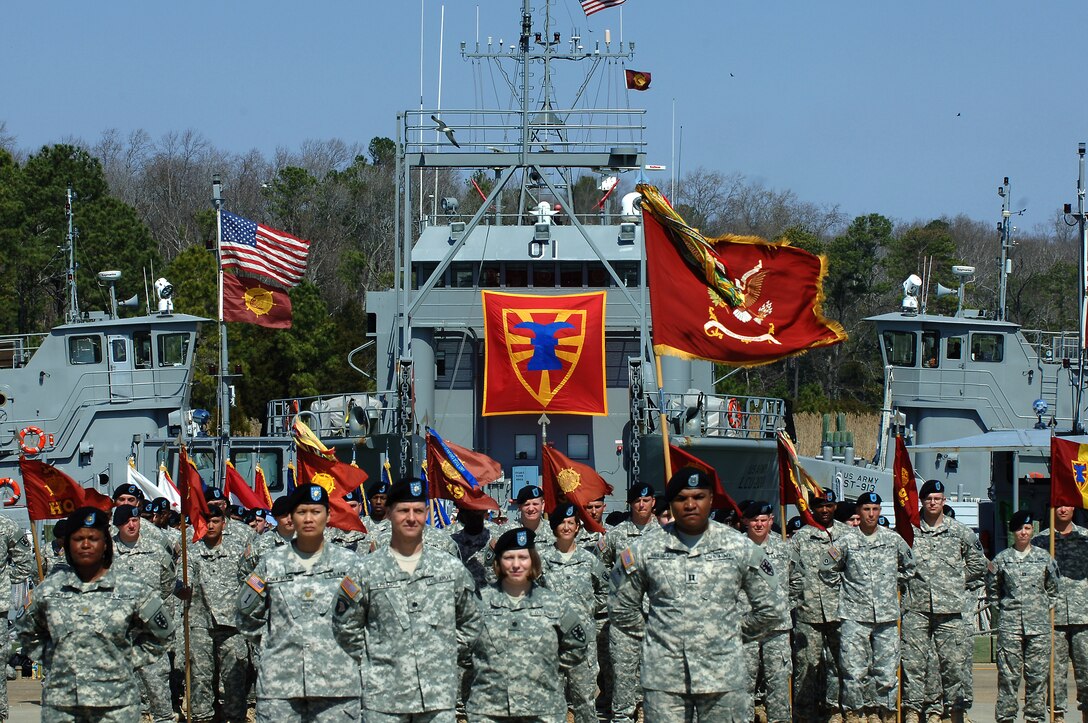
(141, 349)
(422, 272)
(931, 343)
(461, 276)
(599, 278)
(571, 274)
(900, 348)
(987, 347)
(173, 349)
(490, 275)
(953, 347)
(628, 272)
(85, 349)
(270, 460)
(517, 275)
(543, 275)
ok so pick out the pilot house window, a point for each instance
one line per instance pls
(900, 348)
(85, 349)
(987, 347)
(931, 342)
(173, 349)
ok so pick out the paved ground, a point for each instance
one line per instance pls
(25, 694)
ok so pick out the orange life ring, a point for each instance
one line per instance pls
(44, 440)
(733, 415)
(17, 491)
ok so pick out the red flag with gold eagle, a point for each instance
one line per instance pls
(789, 488)
(459, 474)
(679, 458)
(544, 354)
(51, 494)
(1068, 473)
(338, 479)
(578, 483)
(737, 300)
(904, 493)
(255, 302)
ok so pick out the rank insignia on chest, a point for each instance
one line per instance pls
(627, 560)
(255, 582)
(349, 587)
(692, 578)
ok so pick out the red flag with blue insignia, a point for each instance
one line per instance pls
(1068, 473)
(544, 354)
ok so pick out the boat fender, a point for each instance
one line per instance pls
(733, 415)
(43, 440)
(16, 491)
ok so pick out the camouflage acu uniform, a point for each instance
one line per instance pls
(1022, 588)
(1070, 614)
(351, 540)
(948, 557)
(90, 635)
(218, 651)
(411, 630)
(544, 538)
(817, 677)
(286, 611)
(869, 570)
(624, 650)
(267, 542)
(692, 658)
(770, 659)
(472, 549)
(149, 563)
(581, 580)
(17, 566)
(376, 527)
(523, 651)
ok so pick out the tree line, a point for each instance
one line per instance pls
(143, 207)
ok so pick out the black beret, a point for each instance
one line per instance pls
(215, 512)
(529, 492)
(794, 524)
(640, 490)
(60, 530)
(868, 498)
(213, 494)
(829, 498)
(310, 494)
(845, 511)
(660, 505)
(560, 513)
(932, 486)
(756, 508)
(883, 521)
(377, 487)
(687, 478)
(518, 538)
(1019, 519)
(281, 506)
(356, 495)
(409, 489)
(128, 489)
(722, 515)
(250, 516)
(237, 510)
(148, 508)
(124, 513)
(89, 517)
(161, 504)
(949, 510)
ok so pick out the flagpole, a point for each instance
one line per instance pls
(37, 550)
(222, 388)
(185, 619)
(663, 418)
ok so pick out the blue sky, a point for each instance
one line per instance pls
(908, 109)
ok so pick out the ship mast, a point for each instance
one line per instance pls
(70, 247)
(1083, 270)
(1005, 227)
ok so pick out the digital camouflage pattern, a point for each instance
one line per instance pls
(541, 636)
(1070, 612)
(286, 611)
(692, 593)
(410, 630)
(770, 659)
(948, 559)
(815, 604)
(149, 563)
(1021, 589)
(581, 580)
(91, 636)
(624, 650)
(432, 537)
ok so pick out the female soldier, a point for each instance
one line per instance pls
(530, 637)
(579, 577)
(1021, 586)
(91, 627)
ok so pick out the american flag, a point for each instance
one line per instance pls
(595, 6)
(271, 254)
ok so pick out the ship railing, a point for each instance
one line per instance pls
(617, 132)
(1052, 346)
(350, 414)
(17, 349)
(695, 414)
(434, 216)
